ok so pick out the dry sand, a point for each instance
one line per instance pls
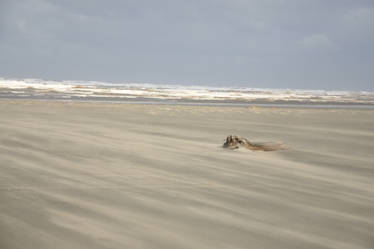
(101, 175)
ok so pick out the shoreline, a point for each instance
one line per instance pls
(176, 102)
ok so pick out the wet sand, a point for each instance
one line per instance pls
(103, 175)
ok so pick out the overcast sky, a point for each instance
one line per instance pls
(309, 44)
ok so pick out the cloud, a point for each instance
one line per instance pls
(360, 16)
(319, 41)
(263, 43)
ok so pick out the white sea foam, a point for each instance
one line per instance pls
(81, 89)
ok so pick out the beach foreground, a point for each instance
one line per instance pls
(105, 175)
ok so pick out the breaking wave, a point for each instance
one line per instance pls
(38, 88)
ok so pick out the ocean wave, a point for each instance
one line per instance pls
(95, 89)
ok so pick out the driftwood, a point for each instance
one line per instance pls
(235, 142)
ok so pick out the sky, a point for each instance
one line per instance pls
(303, 44)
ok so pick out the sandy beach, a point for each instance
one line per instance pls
(76, 175)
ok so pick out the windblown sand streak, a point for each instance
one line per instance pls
(95, 175)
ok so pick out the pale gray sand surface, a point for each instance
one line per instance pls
(95, 175)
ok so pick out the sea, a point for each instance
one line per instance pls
(147, 93)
